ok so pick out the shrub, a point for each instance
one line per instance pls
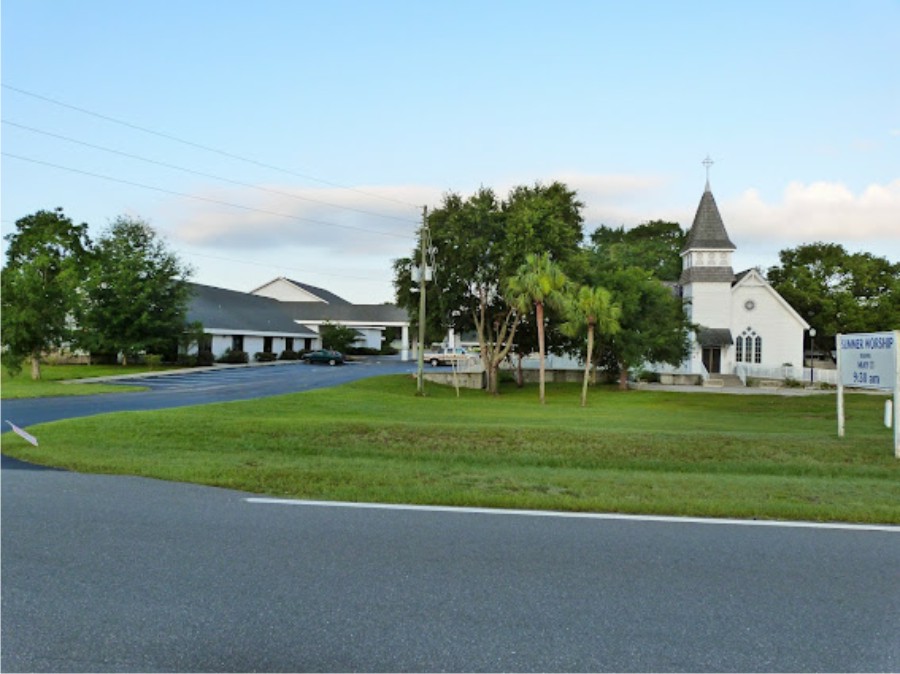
(362, 351)
(289, 355)
(648, 377)
(264, 357)
(201, 359)
(233, 356)
(338, 337)
(507, 377)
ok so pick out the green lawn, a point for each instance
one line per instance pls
(55, 381)
(701, 454)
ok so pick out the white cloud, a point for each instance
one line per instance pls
(615, 199)
(364, 220)
(820, 211)
(867, 220)
(371, 220)
(341, 238)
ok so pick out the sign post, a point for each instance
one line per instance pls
(870, 360)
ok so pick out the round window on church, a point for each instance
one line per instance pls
(749, 305)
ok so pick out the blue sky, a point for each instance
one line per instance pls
(308, 135)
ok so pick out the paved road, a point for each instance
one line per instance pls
(105, 573)
(200, 387)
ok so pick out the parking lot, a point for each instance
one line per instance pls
(218, 377)
(201, 386)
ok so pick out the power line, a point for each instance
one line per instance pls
(205, 199)
(201, 173)
(269, 265)
(199, 146)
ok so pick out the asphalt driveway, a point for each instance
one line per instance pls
(200, 387)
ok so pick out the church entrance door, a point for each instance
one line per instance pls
(712, 359)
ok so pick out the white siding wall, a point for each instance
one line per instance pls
(220, 344)
(782, 334)
(255, 343)
(371, 338)
(252, 344)
(710, 304)
(717, 305)
(281, 290)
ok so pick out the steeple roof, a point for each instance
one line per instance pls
(708, 231)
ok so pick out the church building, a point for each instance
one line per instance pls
(745, 327)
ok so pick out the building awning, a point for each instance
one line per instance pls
(714, 337)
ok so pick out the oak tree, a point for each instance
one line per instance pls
(45, 260)
(837, 291)
(135, 293)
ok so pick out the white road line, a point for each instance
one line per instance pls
(578, 515)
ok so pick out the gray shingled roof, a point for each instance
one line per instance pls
(221, 309)
(708, 230)
(321, 293)
(714, 337)
(707, 275)
(339, 313)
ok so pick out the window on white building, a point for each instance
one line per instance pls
(748, 347)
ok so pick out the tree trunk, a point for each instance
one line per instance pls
(494, 379)
(623, 378)
(539, 311)
(495, 345)
(35, 367)
(587, 365)
(520, 376)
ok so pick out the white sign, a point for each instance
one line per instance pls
(868, 360)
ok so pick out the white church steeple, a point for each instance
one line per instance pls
(707, 251)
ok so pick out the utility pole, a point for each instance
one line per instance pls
(423, 267)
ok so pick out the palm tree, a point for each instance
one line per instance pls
(538, 282)
(594, 309)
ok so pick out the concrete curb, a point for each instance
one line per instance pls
(183, 370)
(730, 390)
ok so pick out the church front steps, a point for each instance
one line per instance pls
(723, 380)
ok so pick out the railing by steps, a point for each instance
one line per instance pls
(802, 374)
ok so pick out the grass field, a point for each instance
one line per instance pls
(693, 454)
(53, 378)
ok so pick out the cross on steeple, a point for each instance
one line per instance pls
(707, 163)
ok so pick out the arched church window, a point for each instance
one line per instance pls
(748, 347)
